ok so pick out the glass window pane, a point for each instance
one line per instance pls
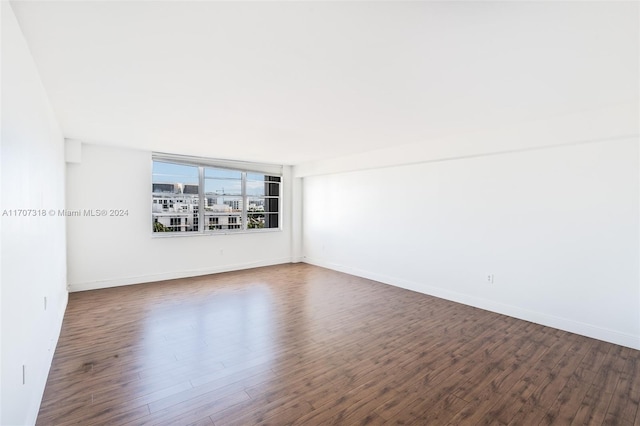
(261, 188)
(222, 187)
(272, 189)
(210, 172)
(255, 188)
(255, 204)
(271, 220)
(272, 205)
(255, 220)
(255, 177)
(222, 204)
(172, 173)
(222, 220)
(175, 198)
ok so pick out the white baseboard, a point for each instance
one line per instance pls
(140, 279)
(566, 324)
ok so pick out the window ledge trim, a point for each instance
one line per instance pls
(211, 233)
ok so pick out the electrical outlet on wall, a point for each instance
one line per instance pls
(489, 278)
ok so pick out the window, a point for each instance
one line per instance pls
(214, 223)
(196, 195)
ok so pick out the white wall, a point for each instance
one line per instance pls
(33, 248)
(558, 227)
(608, 122)
(111, 251)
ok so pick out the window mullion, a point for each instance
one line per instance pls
(244, 200)
(200, 199)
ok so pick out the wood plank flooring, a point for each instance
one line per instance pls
(298, 344)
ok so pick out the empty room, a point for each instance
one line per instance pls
(316, 213)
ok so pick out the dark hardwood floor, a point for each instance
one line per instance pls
(298, 344)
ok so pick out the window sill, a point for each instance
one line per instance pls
(211, 233)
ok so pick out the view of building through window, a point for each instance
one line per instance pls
(199, 198)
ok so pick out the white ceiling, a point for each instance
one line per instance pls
(292, 82)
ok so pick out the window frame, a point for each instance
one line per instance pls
(268, 170)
